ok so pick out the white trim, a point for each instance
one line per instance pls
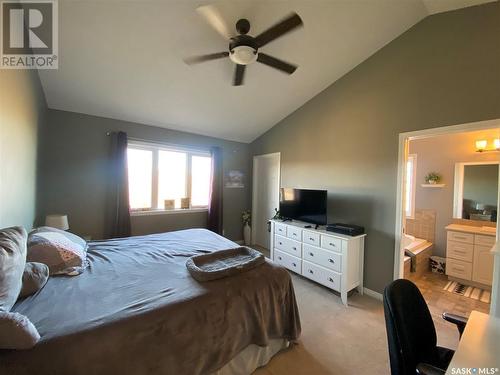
(411, 214)
(255, 183)
(378, 296)
(167, 212)
(426, 133)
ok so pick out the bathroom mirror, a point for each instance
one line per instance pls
(476, 191)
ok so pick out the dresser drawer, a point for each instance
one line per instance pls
(288, 261)
(484, 240)
(321, 275)
(331, 243)
(325, 258)
(460, 237)
(310, 238)
(460, 250)
(458, 268)
(280, 229)
(288, 245)
(294, 233)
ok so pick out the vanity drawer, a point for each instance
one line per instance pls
(461, 237)
(458, 268)
(331, 243)
(460, 250)
(280, 229)
(310, 237)
(321, 275)
(327, 259)
(288, 245)
(288, 261)
(294, 233)
(484, 240)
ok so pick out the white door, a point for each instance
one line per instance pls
(265, 195)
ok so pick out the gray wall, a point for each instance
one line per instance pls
(74, 167)
(22, 111)
(439, 154)
(443, 71)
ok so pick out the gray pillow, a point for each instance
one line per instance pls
(12, 261)
(16, 331)
(35, 276)
(62, 252)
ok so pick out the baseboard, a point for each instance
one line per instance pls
(373, 294)
(240, 242)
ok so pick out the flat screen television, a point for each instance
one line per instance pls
(304, 205)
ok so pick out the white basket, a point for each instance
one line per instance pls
(438, 264)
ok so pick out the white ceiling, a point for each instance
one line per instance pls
(123, 59)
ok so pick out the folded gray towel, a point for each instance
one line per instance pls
(223, 263)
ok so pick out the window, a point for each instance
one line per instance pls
(157, 173)
(410, 185)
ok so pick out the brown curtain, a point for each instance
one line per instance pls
(215, 201)
(119, 206)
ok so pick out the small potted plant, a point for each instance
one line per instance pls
(433, 178)
(246, 217)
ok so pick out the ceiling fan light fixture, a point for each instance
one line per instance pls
(243, 55)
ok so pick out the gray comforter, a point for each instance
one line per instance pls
(136, 310)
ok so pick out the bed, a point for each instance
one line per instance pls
(137, 310)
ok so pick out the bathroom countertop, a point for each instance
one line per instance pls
(487, 231)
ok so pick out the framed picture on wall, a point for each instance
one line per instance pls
(234, 179)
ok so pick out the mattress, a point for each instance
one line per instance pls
(136, 310)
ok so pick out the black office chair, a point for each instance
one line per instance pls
(411, 333)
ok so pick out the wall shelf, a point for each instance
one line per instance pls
(433, 185)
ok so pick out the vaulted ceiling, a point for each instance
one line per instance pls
(124, 59)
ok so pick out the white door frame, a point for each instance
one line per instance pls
(402, 151)
(255, 184)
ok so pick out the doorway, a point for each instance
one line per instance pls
(431, 218)
(265, 196)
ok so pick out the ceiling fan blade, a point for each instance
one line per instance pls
(212, 56)
(239, 74)
(273, 62)
(215, 19)
(281, 28)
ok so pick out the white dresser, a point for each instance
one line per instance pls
(331, 259)
(468, 254)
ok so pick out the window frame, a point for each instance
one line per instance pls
(410, 214)
(155, 148)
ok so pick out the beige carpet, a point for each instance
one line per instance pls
(340, 340)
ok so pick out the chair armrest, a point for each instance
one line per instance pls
(426, 369)
(459, 321)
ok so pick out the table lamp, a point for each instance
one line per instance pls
(58, 221)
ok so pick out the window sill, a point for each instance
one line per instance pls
(168, 212)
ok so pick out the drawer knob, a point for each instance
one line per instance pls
(332, 244)
(295, 234)
(280, 258)
(312, 239)
(311, 254)
(281, 243)
(311, 271)
(330, 280)
(294, 248)
(294, 264)
(331, 261)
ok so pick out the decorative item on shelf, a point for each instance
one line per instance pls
(169, 204)
(432, 178)
(185, 203)
(246, 217)
(277, 215)
(482, 145)
(58, 221)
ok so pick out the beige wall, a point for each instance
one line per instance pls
(22, 111)
(74, 167)
(443, 71)
(439, 154)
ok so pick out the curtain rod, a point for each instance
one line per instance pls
(167, 144)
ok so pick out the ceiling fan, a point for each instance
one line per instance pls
(244, 48)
